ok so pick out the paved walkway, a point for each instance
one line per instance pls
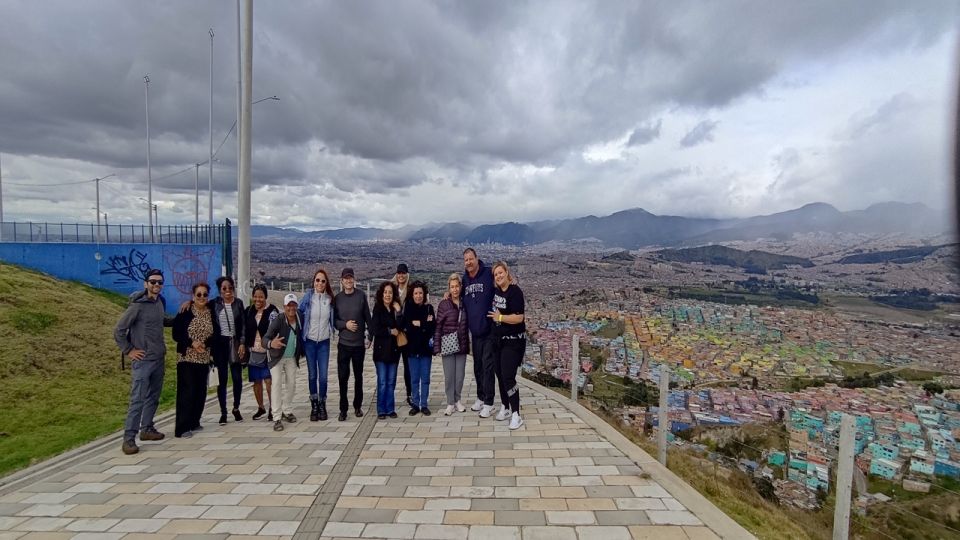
(564, 475)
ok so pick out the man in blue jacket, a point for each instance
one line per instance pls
(477, 302)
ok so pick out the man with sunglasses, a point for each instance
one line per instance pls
(139, 334)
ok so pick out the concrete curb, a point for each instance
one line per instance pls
(711, 516)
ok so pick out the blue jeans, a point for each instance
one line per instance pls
(420, 380)
(386, 387)
(318, 359)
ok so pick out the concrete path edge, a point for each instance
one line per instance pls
(721, 524)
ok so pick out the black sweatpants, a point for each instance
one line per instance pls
(350, 355)
(191, 395)
(484, 368)
(508, 355)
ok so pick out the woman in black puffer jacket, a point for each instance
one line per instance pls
(451, 341)
(419, 326)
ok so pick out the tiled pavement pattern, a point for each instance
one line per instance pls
(412, 477)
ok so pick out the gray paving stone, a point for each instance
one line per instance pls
(91, 498)
(516, 517)
(622, 517)
(135, 511)
(608, 492)
(383, 530)
(494, 532)
(370, 515)
(549, 533)
(603, 533)
(383, 491)
(494, 504)
(495, 481)
(441, 532)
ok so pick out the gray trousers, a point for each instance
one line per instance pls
(454, 369)
(146, 381)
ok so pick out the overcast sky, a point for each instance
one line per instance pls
(394, 113)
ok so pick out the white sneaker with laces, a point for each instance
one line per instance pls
(486, 411)
(460, 407)
(516, 421)
(477, 405)
(448, 411)
(503, 414)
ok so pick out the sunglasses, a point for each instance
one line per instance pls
(155, 281)
(201, 295)
(319, 281)
(226, 288)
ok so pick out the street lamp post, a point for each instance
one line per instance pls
(97, 182)
(153, 216)
(210, 157)
(243, 195)
(146, 85)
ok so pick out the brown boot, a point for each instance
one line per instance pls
(151, 434)
(130, 447)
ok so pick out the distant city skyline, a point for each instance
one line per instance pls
(434, 112)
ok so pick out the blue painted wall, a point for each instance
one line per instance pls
(121, 267)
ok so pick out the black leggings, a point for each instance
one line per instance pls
(221, 359)
(191, 395)
(507, 357)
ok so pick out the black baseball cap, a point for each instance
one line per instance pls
(402, 268)
(346, 273)
(152, 272)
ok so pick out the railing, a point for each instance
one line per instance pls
(92, 233)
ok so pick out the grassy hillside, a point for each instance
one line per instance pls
(62, 382)
(753, 261)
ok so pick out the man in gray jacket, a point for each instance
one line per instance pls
(139, 334)
(352, 319)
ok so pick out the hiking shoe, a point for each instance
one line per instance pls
(486, 411)
(290, 418)
(477, 405)
(460, 407)
(278, 426)
(503, 414)
(130, 447)
(414, 411)
(426, 411)
(259, 414)
(448, 411)
(516, 421)
(151, 434)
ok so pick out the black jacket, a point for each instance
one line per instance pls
(181, 334)
(418, 336)
(384, 343)
(240, 331)
(251, 328)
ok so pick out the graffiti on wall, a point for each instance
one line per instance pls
(127, 268)
(188, 265)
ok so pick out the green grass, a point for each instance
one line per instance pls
(857, 368)
(62, 382)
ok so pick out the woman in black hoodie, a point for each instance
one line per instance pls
(419, 325)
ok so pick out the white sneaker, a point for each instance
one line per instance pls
(448, 411)
(477, 405)
(460, 407)
(486, 411)
(516, 421)
(503, 414)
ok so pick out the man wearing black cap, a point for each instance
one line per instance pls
(139, 334)
(401, 280)
(352, 319)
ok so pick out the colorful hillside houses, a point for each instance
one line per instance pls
(885, 468)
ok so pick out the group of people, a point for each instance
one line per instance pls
(482, 310)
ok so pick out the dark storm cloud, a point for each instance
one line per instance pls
(393, 89)
(701, 133)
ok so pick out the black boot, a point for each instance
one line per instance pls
(314, 410)
(323, 410)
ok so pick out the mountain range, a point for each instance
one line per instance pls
(636, 228)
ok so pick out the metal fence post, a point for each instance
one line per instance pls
(663, 417)
(574, 367)
(841, 513)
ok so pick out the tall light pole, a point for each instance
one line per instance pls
(97, 182)
(243, 195)
(146, 86)
(196, 198)
(239, 93)
(153, 207)
(210, 157)
(1, 198)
